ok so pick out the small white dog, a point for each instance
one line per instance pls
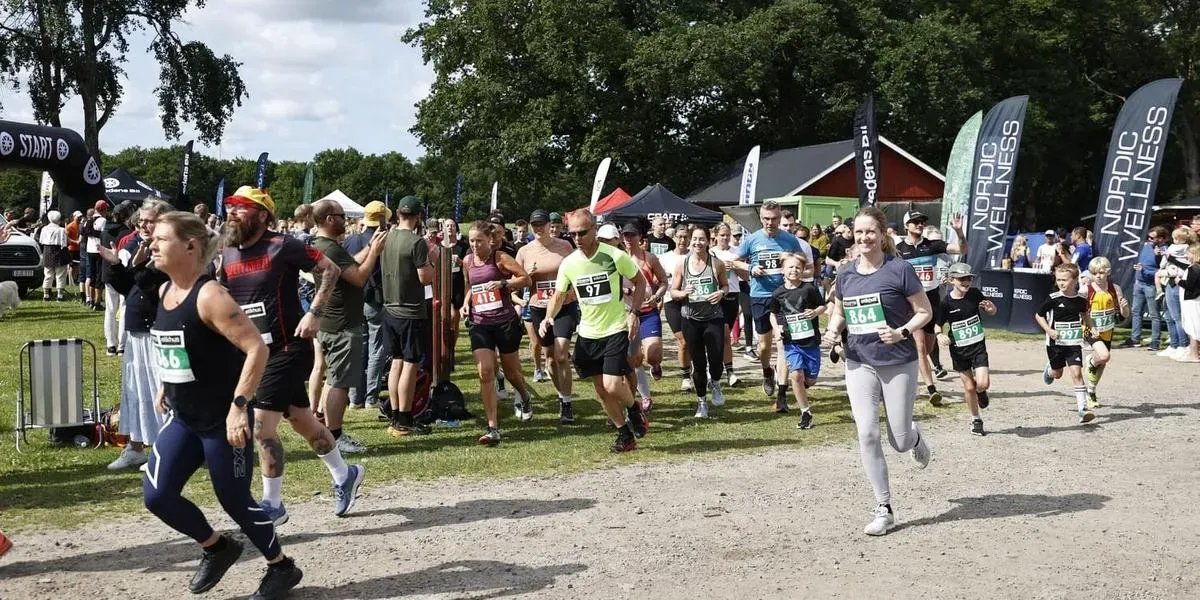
(10, 297)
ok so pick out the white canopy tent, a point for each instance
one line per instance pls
(353, 209)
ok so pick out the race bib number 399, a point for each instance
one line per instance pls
(594, 289)
(864, 314)
(771, 262)
(258, 316)
(174, 366)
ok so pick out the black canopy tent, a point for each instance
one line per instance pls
(62, 153)
(657, 201)
(121, 186)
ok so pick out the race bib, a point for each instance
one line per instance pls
(1070, 333)
(173, 363)
(543, 290)
(258, 316)
(484, 300)
(928, 276)
(799, 329)
(1104, 320)
(594, 289)
(966, 332)
(771, 262)
(702, 288)
(455, 267)
(864, 314)
(657, 248)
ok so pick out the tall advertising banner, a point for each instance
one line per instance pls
(185, 166)
(1135, 156)
(995, 166)
(495, 195)
(957, 193)
(46, 197)
(598, 182)
(458, 192)
(260, 173)
(308, 185)
(866, 152)
(749, 178)
(220, 208)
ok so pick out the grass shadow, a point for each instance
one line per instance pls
(475, 579)
(1144, 410)
(701, 446)
(998, 506)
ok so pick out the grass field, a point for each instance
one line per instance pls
(62, 487)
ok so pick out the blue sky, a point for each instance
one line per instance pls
(320, 74)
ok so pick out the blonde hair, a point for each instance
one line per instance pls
(1070, 268)
(189, 227)
(886, 243)
(1194, 253)
(1100, 264)
(800, 258)
(1183, 235)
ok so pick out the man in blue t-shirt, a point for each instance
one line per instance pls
(1144, 295)
(1082, 254)
(760, 257)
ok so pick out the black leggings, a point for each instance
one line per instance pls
(178, 453)
(706, 342)
(747, 318)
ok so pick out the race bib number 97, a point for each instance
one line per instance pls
(864, 314)
(594, 289)
(174, 366)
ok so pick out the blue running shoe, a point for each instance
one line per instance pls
(345, 493)
(1046, 374)
(277, 514)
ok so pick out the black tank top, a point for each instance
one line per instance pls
(198, 366)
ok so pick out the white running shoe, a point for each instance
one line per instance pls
(1180, 352)
(1167, 352)
(349, 445)
(882, 521)
(128, 459)
(687, 384)
(733, 378)
(921, 453)
(539, 375)
(718, 397)
(702, 409)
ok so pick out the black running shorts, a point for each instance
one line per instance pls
(729, 307)
(935, 302)
(1061, 356)
(565, 323)
(405, 339)
(605, 356)
(970, 358)
(674, 310)
(504, 338)
(285, 381)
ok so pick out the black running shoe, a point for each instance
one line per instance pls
(637, 420)
(566, 416)
(806, 420)
(281, 577)
(625, 441)
(768, 384)
(834, 356)
(781, 405)
(983, 400)
(939, 371)
(977, 427)
(213, 566)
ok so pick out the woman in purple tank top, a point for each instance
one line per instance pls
(496, 326)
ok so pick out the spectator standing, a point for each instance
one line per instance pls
(1144, 295)
(55, 258)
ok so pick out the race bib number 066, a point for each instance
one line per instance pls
(174, 366)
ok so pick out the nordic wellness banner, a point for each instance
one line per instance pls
(185, 168)
(992, 176)
(866, 152)
(957, 192)
(1135, 156)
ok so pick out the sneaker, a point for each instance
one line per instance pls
(398, 430)
(881, 522)
(1046, 377)
(1092, 400)
(935, 398)
(977, 427)
(921, 453)
(501, 394)
(750, 353)
(128, 459)
(281, 577)
(1086, 416)
(983, 399)
(1089, 371)
(277, 514)
(687, 385)
(1180, 352)
(357, 406)
(834, 355)
(491, 437)
(806, 420)
(1129, 343)
(637, 421)
(526, 407)
(768, 384)
(781, 405)
(120, 350)
(213, 566)
(517, 409)
(624, 442)
(566, 416)
(647, 404)
(345, 493)
(656, 372)
(1168, 352)
(733, 378)
(718, 397)
(111, 351)
(538, 376)
(701, 409)
(939, 371)
(349, 445)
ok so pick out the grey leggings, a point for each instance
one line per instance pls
(896, 386)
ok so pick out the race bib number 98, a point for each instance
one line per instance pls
(594, 289)
(864, 314)
(771, 262)
(484, 300)
(174, 366)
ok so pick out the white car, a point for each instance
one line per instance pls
(20, 259)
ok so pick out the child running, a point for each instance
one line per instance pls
(1105, 302)
(968, 348)
(1063, 316)
(795, 307)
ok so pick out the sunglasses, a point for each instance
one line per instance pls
(580, 233)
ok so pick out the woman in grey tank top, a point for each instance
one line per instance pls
(699, 283)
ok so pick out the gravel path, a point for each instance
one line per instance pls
(1039, 508)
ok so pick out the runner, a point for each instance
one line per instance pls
(650, 329)
(699, 284)
(761, 256)
(795, 307)
(1105, 303)
(260, 267)
(609, 234)
(731, 302)
(594, 271)
(670, 264)
(495, 325)
(922, 254)
(960, 309)
(880, 302)
(200, 335)
(1064, 317)
(458, 248)
(657, 242)
(541, 258)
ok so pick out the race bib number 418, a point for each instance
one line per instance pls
(485, 300)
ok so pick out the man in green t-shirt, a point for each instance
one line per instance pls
(406, 270)
(594, 272)
(340, 329)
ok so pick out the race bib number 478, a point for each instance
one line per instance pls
(864, 314)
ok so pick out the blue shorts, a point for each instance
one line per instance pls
(803, 358)
(525, 314)
(651, 326)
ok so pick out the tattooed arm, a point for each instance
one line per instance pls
(329, 273)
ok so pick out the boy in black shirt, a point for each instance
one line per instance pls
(1064, 316)
(795, 307)
(965, 338)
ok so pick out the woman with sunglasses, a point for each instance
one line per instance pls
(673, 308)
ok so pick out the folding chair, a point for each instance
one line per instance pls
(56, 391)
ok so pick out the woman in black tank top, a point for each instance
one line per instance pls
(210, 359)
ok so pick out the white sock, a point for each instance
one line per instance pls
(336, 465)
(564, 398)
(273, 490)
(643, 384)
(1081, 397)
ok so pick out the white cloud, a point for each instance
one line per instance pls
(300, 110)
(351, 11)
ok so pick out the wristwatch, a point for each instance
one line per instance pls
(314, 311)
(239, 401)
(905, 333)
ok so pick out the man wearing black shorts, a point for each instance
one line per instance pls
(406, 332)
(260, 267)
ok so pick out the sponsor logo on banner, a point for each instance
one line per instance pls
(111, 182)
(91, 171)
(994, 172)
(1021, 294)
(35, 146)
(990, 291)
(64, 150)
(6, 143)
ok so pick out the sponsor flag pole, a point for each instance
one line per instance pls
(47, 193)
(598, 183)
(260, 172)
(749, 178)
(308, 185)
(495, 190)
(957, 192)
(866, 152)
(221, 200)
(993, 174)
(185, 165)
(458, 192)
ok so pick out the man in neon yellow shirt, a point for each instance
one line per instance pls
(606, 326)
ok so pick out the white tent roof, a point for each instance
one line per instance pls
(352, 208)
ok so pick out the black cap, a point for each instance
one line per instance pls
(914, 215)
(631, 227)
(538, 217)
(496, 218)
(409, 205)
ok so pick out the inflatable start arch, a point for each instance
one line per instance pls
(56, 150)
